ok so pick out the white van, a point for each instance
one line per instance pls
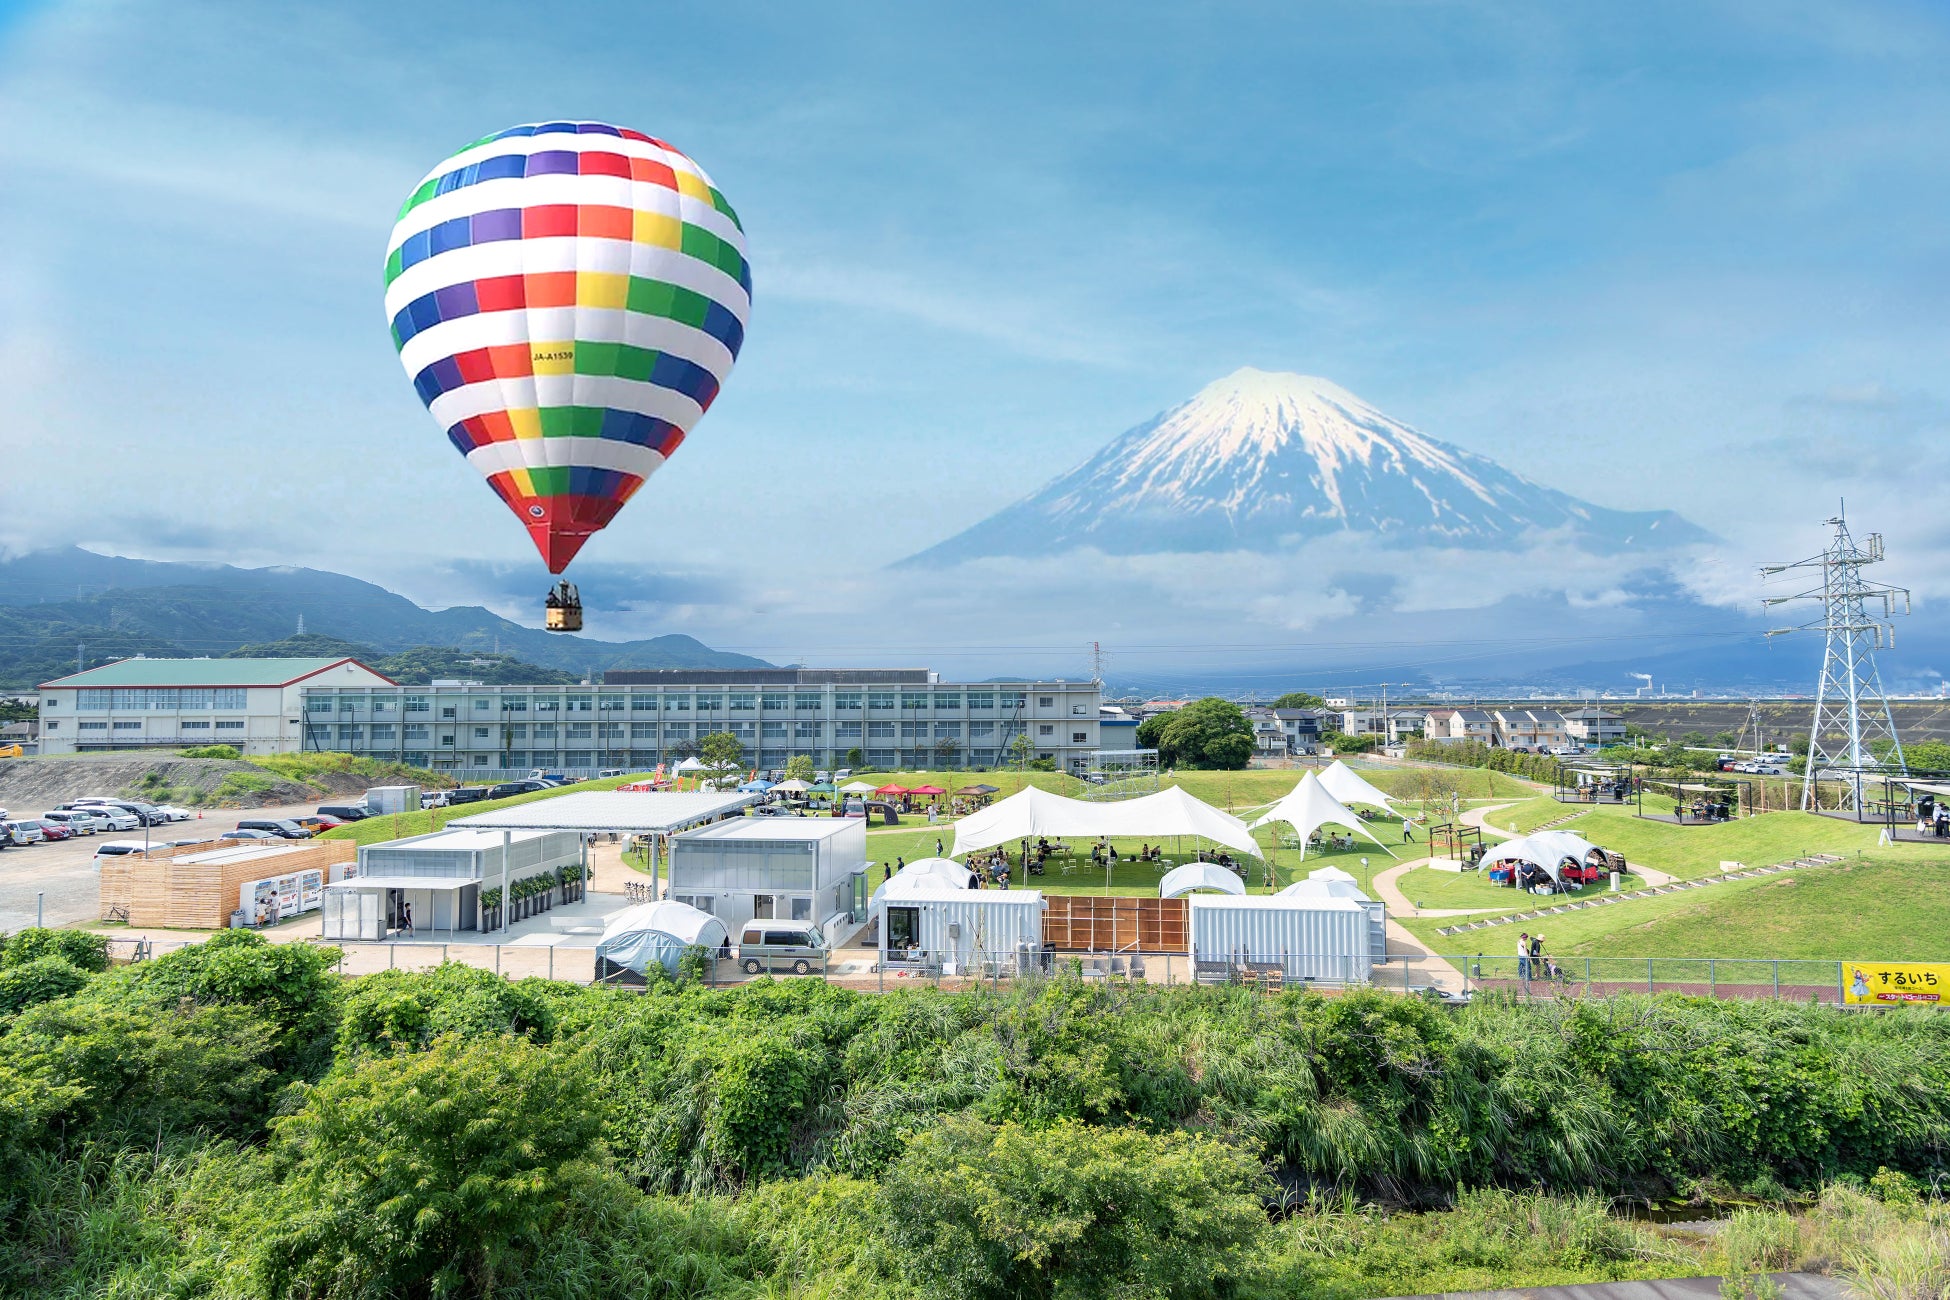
(117, 848)
(774, 946)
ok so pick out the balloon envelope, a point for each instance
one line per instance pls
(567, 298)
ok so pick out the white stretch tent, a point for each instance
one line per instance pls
(1349, 786)
(1035, 813)
(1199, 875)
(660, 933)
(1544, 848)
(794, 786)
(1308, 807)
(858, 787)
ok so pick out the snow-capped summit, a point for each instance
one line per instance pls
(1260, 461)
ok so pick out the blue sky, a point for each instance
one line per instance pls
(1675, 255)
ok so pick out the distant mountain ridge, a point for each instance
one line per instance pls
(57, 603)
(1262, 461)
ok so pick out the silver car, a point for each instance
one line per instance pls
(78, 820)
(24, 832)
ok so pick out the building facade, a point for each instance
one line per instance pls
(1390, 726)
(254, 704)
(896, 718)
(1532, 729)
(1284, 733)
(1454, 726)
(1590, 725)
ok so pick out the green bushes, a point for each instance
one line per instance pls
(235, 1119)
(81, 949)
(213, 751)
(1469, 753)
(981, 1213)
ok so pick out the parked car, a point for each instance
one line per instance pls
(508, 789)
(781, 945)
(75, 819)
(612, 771)
(182, 841)
(246, 833)
(109, 817)
(840, 775)
(467, 794)
(22, 832)
(345, 812)
(278, 826)
(56, 830)
(116, 848)
(146, 814)
(172, 813)
(317, 823)
(433, 799)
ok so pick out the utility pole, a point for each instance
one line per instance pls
(1849, 698)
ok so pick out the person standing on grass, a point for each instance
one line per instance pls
(1523, 960)
(1408, 831)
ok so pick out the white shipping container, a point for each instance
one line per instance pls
(1325, 939)
(963, 927)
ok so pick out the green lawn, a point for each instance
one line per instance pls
(1886, 906)
(374, 830)
(1689, 851)
(1427, 887)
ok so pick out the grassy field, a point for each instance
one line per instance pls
(1689, 851)
(1426, 887)
(1233, 790)
(1884, 906)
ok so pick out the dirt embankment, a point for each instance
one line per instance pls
(35, 784)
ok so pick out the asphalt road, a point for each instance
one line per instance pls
(64, 875)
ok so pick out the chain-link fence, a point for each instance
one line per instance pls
(1450, 976)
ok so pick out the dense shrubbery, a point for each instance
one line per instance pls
(235, 1119)
(1470, 753)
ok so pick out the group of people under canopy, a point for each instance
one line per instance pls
(1547, 862)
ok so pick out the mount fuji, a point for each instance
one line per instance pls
(1259, 461)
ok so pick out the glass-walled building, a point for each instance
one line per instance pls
(896, 718)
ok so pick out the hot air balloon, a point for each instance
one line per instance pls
(567, 298)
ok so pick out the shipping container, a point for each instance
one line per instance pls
(1324, 939)
(962, 928)
(393, 799)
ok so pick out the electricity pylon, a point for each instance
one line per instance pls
(1848, 700)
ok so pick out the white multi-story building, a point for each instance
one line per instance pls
(1391, 726)
(1532, 729)
(1453, 726)
(1590, 725)
(254, 704)
(894, 718)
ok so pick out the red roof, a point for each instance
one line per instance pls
(926, 789)
(893, 789)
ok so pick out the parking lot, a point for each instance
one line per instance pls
(64, 876)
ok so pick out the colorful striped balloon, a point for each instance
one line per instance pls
(567, 298)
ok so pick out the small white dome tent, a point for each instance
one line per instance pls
(658, 934)
(1199, 875)
(925, 876)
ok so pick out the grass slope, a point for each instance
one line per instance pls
(374, 830)
(1885, 906)
(1690, 851)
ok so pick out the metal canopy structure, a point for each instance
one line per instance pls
(611, 811)
(1120, 774)
(1849, 700)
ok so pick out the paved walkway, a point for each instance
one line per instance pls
(1794, 1286)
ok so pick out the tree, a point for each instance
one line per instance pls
(946, 752)
(1209, 734)
(1072, 1210)
(723, 755)
(800, 768)
(1020, 750)
(855, 757)
(427, 1173)
(1151, 732)
(1299, 700)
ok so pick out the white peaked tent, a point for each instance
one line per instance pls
(1349, 786)
(688, 765)
(1199, 875)
(659, 933)
(925, 876)
(1035, 813)
(1328, 882)
(794, 786)
(1308, 807)
(1545, 848)
(858, 787)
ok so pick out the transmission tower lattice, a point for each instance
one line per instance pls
(1851, 712)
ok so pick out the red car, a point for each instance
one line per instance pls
(319, 824)
(56, 830)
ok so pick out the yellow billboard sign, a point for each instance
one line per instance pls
(1895, 983)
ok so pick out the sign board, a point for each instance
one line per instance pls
(1895, 983)
(279, 898)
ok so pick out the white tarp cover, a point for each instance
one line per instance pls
(794, 786)
(658, 933)
(1327, 883)
(1545, 848)
(1036, 813)
(858, 787)
(1199, 875)
(1308, 807)
(1349, 786)
(689, 765)
(925, 876)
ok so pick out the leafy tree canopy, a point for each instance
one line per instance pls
(1208, 734)
(1299, 700)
